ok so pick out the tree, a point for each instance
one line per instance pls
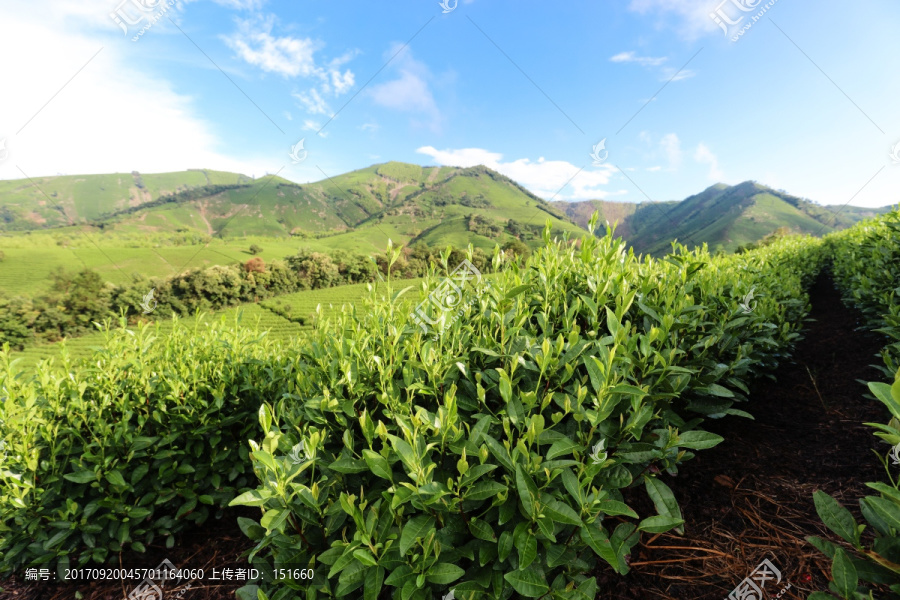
(85, 298)
(314, 270)
(255, 265)
(517, 248)
(254, 249)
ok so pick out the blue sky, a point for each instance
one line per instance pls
(805, 100)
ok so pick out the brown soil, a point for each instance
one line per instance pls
(748, 499)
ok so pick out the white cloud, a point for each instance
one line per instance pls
(313, 102)
(310, 125)
(704, 155)
(293, 57)
(341, 82)
(671, 146)
(369, 127)
(410, 91)
(241, 4)
(692, 15)
(672, 74)
(543, 177)
(666, 73)
(287, 56)
(630, 56)
(111, 117)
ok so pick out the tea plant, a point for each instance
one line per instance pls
(146, 437)
(497, 457)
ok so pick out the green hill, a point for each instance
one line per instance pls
(725, 217)
(354, 211)
(45, 202)
(360, 209)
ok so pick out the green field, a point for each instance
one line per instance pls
(302, 305)
(250, 315)
(27, 266)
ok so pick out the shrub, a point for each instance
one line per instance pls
(142, 440)
(498, 458)
(254, 249)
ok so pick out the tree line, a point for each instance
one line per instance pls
(76, 300)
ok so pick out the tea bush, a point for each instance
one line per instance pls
(494, 458)
(866, 267)
(142, 439)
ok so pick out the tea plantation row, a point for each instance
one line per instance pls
(492, 457)
(866, 266)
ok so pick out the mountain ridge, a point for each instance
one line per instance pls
(435, 205)
(725, 217)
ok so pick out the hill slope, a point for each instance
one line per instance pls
(355, 211)
(43, 202)
(725, 217)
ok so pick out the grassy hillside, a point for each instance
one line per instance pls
(45, 202)
(158, 225)
(408, 203)
(725, 217)
(435, 205)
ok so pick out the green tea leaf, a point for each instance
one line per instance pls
(699, 440)
(528, 491)
(81, 476)
(561, 512)
(614, 508)
(529, 583)
(417, 527)
(444, 573)
(844, 574)
(377, 464)
(481, 530)
(837, 518)
(561, 448)
(664, 500)
(499, 452)
(484, 489)
(527, 551)
(659, 524)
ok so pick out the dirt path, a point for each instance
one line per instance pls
(751, 497)
(202, 209)
(747, 499)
